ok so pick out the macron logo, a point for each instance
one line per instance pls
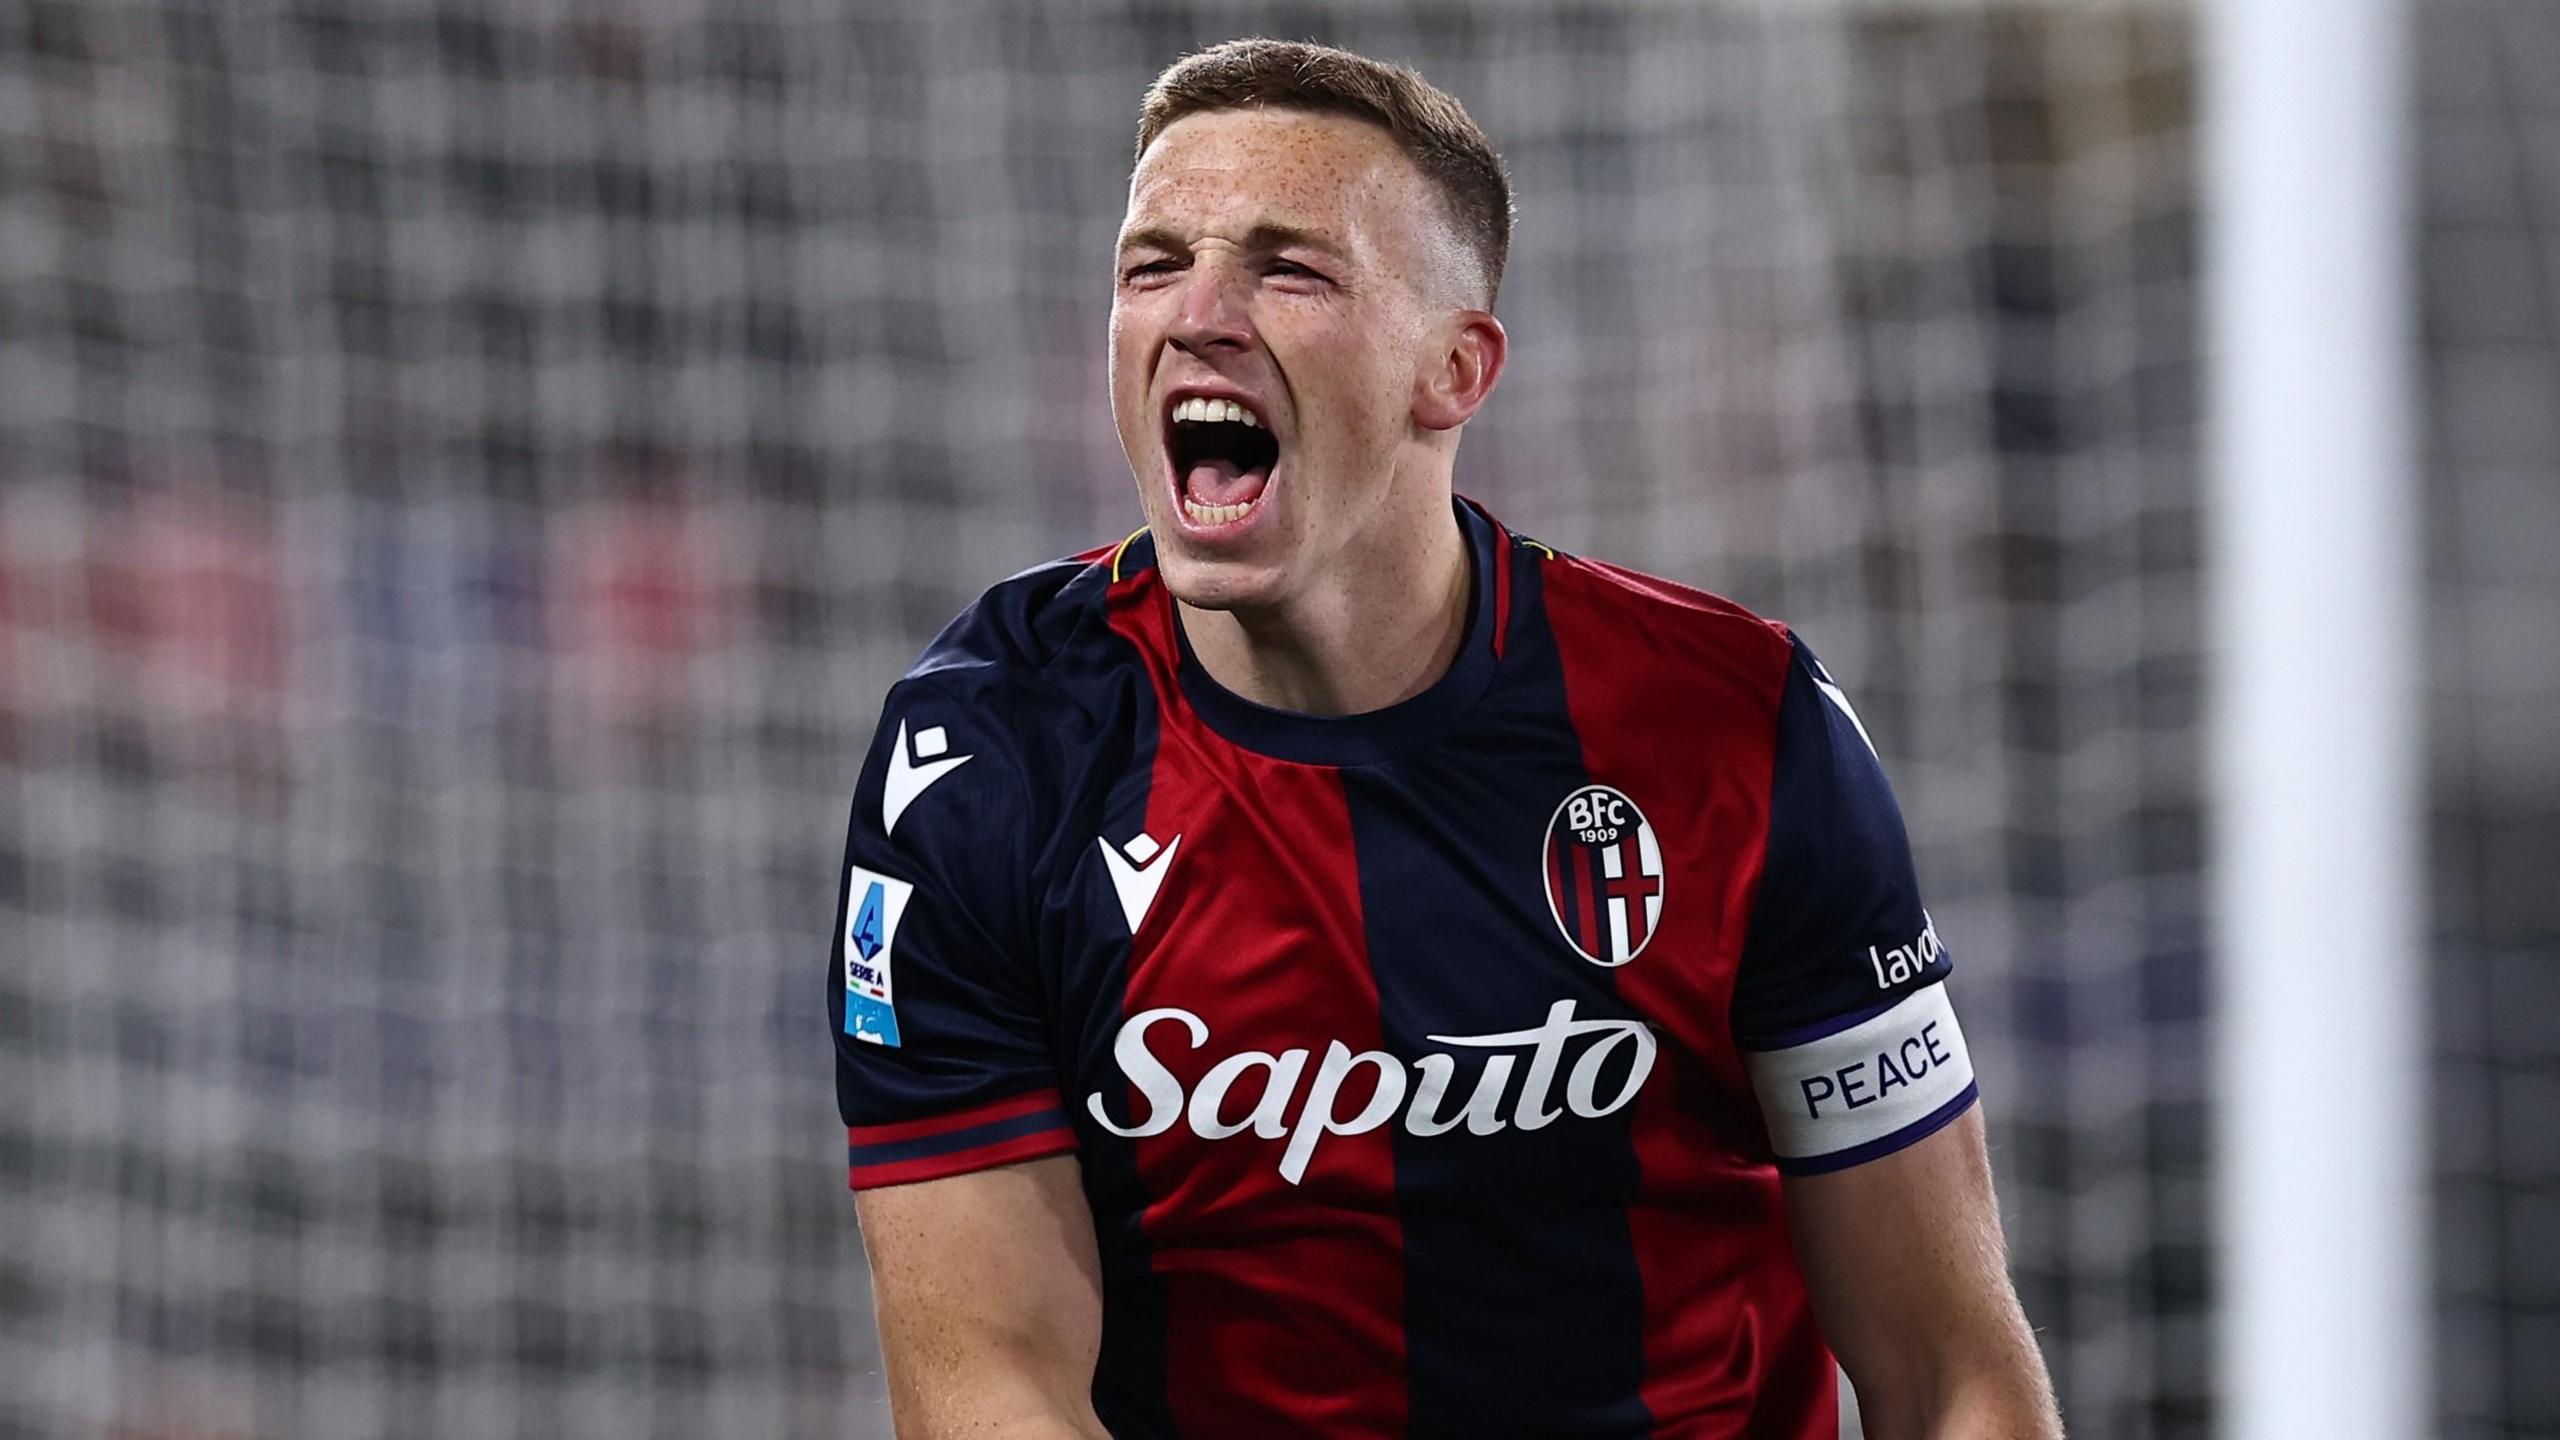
(910, 776)
(1137, 873)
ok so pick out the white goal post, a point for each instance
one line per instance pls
(2313, 579)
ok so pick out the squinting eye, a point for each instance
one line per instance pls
(1152, 267)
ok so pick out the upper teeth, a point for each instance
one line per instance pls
(1204, 410)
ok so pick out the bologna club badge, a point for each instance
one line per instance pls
(1604, 875)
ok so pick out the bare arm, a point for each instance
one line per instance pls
(989, 1292)
(1910, 1281)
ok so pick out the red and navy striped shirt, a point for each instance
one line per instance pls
(1430, 1071)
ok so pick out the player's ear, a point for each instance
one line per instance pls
(1463, 367)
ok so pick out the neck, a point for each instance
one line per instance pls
(1383, 634)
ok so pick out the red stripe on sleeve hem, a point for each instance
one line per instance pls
(961, 1162)
(957, 1120)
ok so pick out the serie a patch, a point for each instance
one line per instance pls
(874, 905)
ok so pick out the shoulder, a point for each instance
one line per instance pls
(1015, 632)
(1696, 619)
(1033, 654)
(1661, 637)
(1022, 699)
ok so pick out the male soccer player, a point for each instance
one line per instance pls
(1330, 965)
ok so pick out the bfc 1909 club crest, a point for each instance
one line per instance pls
(1604, 875)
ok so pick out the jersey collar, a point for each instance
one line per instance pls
(1378, 735)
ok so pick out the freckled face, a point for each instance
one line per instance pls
(1273, 259)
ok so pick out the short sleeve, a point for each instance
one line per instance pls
(1840, 1004)
(943, 1061)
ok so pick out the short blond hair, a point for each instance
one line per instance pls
(1435, 131)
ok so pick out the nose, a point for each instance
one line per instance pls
(1212, 314)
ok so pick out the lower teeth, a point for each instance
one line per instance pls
(1214, 514)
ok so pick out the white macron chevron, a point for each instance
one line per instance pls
(907, 779)
(1137, 873)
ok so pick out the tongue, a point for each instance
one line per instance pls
(1219, 482)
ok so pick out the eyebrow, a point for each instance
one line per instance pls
(1269, 235)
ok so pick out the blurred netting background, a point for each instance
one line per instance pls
(469, 468)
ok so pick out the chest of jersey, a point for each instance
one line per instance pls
(1398, 1053)
(1398, 980)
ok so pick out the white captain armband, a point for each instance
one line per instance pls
(1867, 1089)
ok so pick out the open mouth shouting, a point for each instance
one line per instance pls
(1223, 455)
